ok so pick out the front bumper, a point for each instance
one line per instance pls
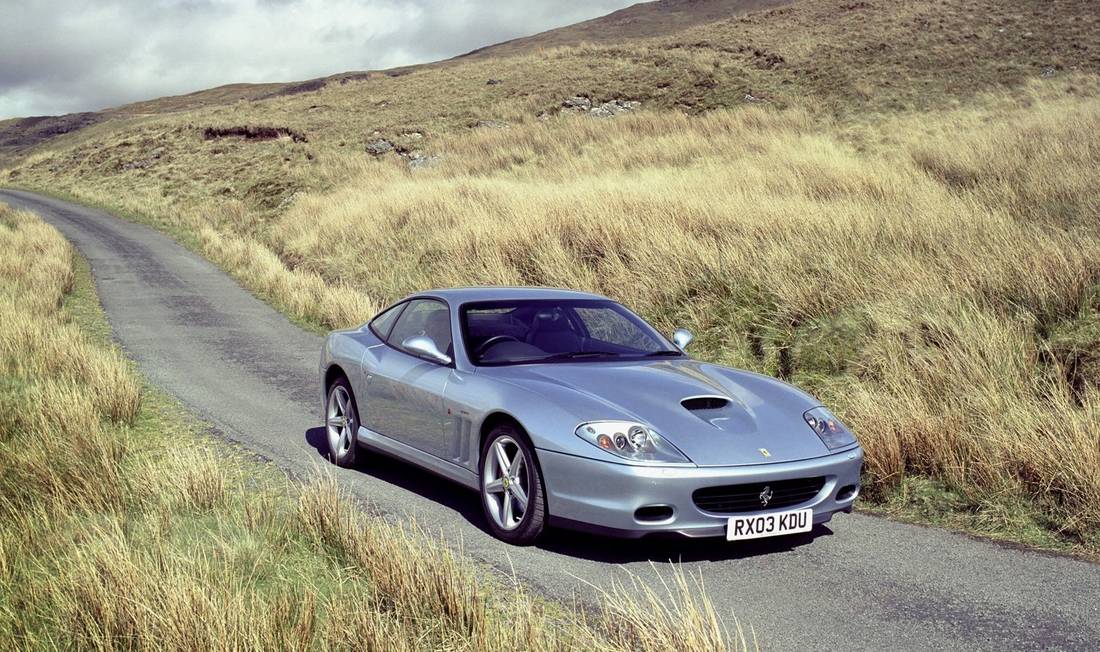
(603, 497)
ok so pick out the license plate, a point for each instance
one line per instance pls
(769, 525)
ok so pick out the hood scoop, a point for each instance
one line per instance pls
(720, 412)
(704, 403)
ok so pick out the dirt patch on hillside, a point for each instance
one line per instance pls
(253, 132)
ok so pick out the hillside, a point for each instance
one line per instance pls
(648, 19)
(892, 204)
(692, 55)
(640, 21)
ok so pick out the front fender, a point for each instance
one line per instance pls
(548, 412)
(344, 349)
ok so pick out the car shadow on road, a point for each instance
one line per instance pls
(580, 545)
(411, 478)
(675, 548)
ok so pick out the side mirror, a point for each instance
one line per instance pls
(681, 337)
(425, 347)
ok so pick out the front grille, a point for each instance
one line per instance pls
(734, 498)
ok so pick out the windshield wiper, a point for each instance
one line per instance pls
(572, 355)
(664, 353)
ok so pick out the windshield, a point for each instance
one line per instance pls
(547, 330)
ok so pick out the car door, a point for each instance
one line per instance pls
(406, 391)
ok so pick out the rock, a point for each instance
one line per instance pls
(379, 147)
(489, 124)
(582, 104)
(412, 135)
(749, 97)
(577, 103)
(614, 108)
(1048, 72)
(493, 82)
(545, 115)
(158, 152)
(417, 160)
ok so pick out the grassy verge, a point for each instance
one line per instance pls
(125, 528)
(902, 220)
(933, 277)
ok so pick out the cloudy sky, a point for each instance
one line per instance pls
(71, 55)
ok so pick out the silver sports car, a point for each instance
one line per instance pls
(565, 408)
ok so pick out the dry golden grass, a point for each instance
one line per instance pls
(935, 278)
(674, 615)
(944, 295)
(908, 228)
(123, 529)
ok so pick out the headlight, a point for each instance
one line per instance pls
(631, 441)
(829, 428)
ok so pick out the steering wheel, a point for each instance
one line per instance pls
(492, 341)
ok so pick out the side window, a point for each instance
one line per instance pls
(382, 324)
(424, 317)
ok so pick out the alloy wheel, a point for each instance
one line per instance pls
(506, 483)
(340, 421)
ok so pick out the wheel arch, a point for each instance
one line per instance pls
(333, 372)
(494, 419)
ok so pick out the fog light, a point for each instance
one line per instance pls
(653, 513)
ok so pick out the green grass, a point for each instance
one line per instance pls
(1008, 519)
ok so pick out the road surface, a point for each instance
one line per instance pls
(860, 583)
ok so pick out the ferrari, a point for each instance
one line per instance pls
(566, 409)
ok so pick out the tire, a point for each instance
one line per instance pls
(341, 423)
(503, 494)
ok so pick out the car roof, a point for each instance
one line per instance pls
(457, 296)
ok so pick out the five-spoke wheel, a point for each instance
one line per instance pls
(511, 486)
(341, 423)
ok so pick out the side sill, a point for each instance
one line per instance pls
(426, 461)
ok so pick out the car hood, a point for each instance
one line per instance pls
(759, 414)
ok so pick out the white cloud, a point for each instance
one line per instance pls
(60, 57)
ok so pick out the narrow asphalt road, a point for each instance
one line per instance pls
(860, 583)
